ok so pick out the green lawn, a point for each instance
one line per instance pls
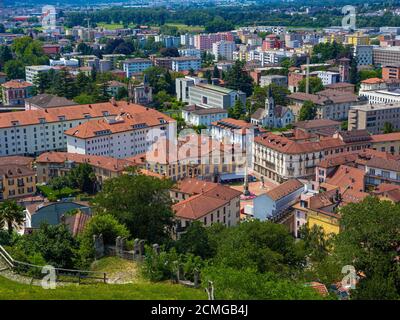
(53, 195)
(10, 290)
(110, 26)
(185, 27)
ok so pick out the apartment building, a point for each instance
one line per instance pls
(17, 177)
(120, 136)
(182, 86)
(31, 72)
(35, 131)
(364, 55)
(223, 50)
(391, 72)
(136, 65)
(373, 117)
(205, 41)
(15, 92)
(386, 56)
(189, 52)
(376, 90)
(380, 170)
(185, 63)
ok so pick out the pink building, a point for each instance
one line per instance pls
(205, 41)
(272, 42)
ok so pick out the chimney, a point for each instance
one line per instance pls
(113, 102)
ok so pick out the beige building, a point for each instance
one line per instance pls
(55, 164)
(205, 202)
(373, 117)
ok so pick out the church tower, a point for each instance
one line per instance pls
(270, 104)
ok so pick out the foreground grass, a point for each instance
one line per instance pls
(10, 290)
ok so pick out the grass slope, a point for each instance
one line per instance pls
(10, 290)
(118, 271)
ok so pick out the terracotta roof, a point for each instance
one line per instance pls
(394, 136)
(16, 84)
(230, 123)
(194, 186)
(77, 222)
(387, 164)
(317, 123)
(286, 145)
(109, 163)
(284, 189)
(326, 97)
(15, 171)
(372, 81)
(32, 117)
(203, 202)
(348, 178)
(320, 288)
(16, 160)
(49, 101)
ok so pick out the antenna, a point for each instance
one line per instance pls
(308, 75)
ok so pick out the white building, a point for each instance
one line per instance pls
(64, 62)
(36, 131)
(273, 79)
(119, 136)
(200, 116)
(31, 72)
(186, 63)
(136, 65)
(190, 52)
(328, 77)
(223, 50)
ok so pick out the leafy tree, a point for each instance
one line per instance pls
(237, 111)
(169, 52)
(308, 111)
(387, 127)
(11, 214)
(104, 224)
(85, 98)
(238, 79)
(317, 243)
(216, 73)
(83, 177)
(263, 246)
(54, 243)
(141, 202)
(315, 85)
(218, 24)
(195, 240)
(5, 55)
(14, 69)
(230, 283)
(369, 241)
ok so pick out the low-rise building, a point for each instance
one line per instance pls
(207, 203)
(273, 79)
(200, 116)
(32, 72)
(45, 101)
(15, 92)
(57, 164)
(277, 200)
(185, 63)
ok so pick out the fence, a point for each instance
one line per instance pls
(61, 274)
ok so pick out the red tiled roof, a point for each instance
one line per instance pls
(284, 189)
(109, 163)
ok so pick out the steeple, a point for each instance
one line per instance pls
(270, 103)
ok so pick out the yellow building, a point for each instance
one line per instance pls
(357, 39)
(328, 221)
(16, 181)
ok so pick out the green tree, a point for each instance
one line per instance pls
(262, 246)
(195, 240)
(315, 85)
(11, 214)
(216, 73)
(308, 111)
(54, 243)
(387, 127)
(238, 79)
(141, 202)
(14, 69)
(369, 241)
(5, 55)
(237, 111)
(83, 178)
(317, 243)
